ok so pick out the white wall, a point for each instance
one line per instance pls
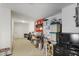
(68, 21)
(31, 26)
(57, 16)
(20, 18)
(20, 29)
(5, 28)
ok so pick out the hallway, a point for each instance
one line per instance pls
(23, 47)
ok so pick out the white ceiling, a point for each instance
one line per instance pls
(35, 10)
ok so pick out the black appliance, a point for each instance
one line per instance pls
(67, 45)
(25, 35)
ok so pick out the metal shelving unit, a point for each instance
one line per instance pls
(53, 29)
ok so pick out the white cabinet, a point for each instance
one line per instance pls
(68, 21)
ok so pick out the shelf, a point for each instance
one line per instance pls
(55, 23)
(54, 32)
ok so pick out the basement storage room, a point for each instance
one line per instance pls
(39, 29)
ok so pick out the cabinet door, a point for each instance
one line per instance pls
(68, 21)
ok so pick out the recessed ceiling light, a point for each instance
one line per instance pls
(23, 21)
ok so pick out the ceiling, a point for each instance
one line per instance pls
(35, 10)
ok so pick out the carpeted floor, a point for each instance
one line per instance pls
(23, 47)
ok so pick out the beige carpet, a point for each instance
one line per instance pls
(23, 47)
